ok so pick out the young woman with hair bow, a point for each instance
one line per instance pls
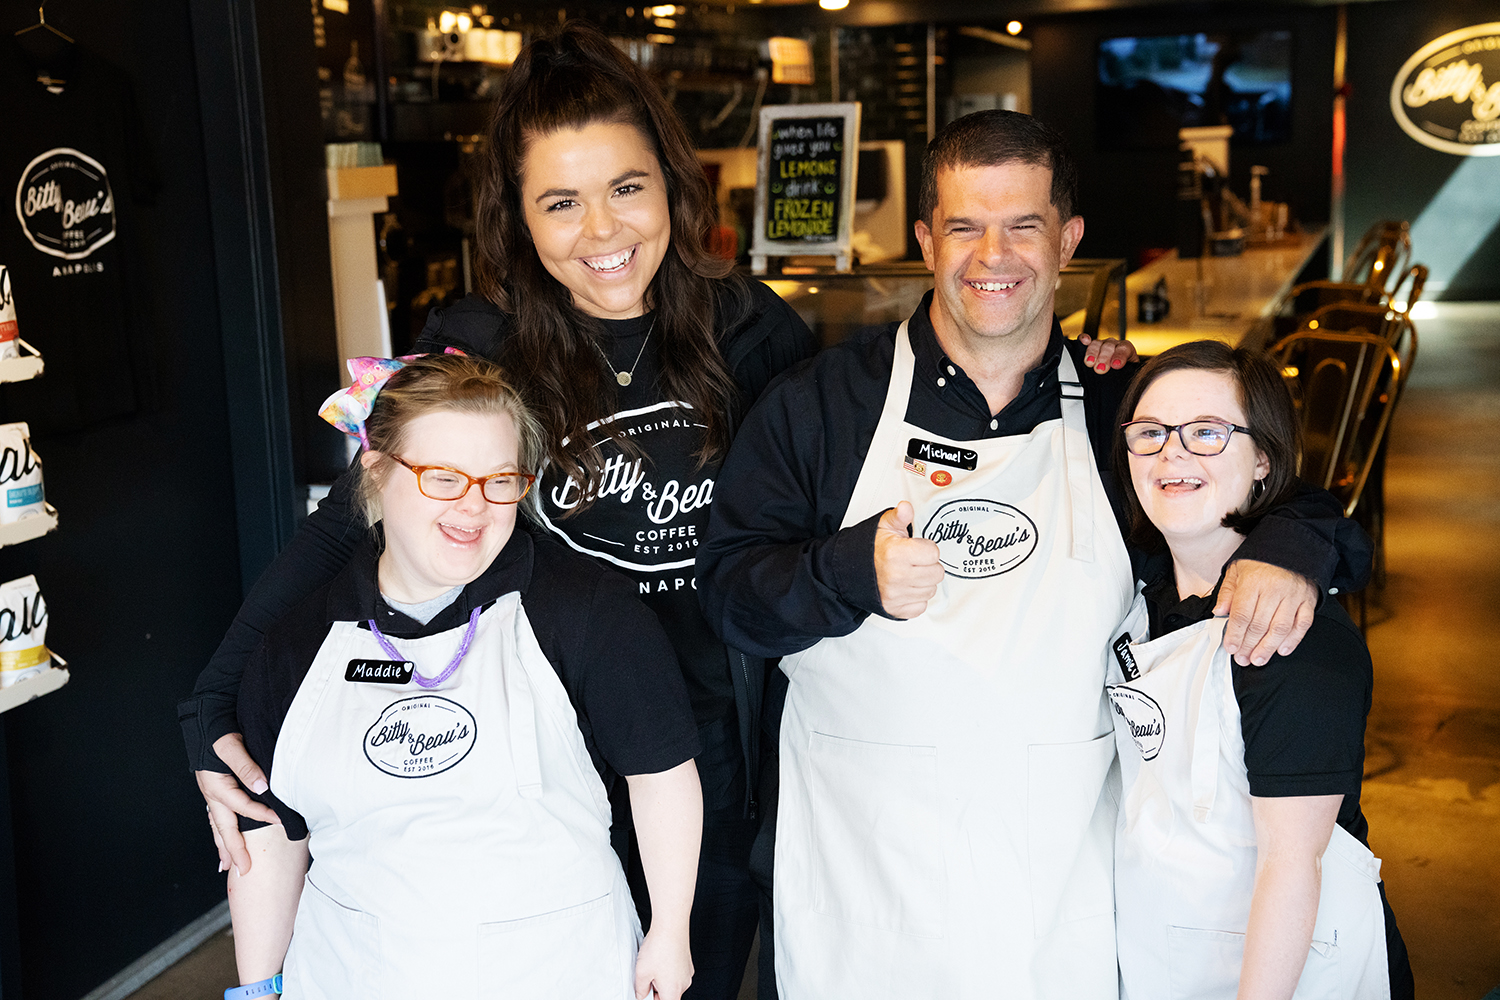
(439, 722)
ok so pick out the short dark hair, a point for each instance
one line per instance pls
(991, 138)
(1269, 413)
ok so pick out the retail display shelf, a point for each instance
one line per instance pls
(28, 528)
(32, 688)
(27, 366)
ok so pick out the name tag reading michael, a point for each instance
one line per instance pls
(943, 454)
(378, 671)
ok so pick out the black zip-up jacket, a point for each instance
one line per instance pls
(759, 335)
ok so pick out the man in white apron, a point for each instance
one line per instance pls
(917, 521)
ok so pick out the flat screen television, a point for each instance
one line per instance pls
(1151, 86)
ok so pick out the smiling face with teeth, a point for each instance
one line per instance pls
(432, 546)
(995, 245)
(595, 202)
(1184, 495)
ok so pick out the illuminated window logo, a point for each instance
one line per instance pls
(1447, 96)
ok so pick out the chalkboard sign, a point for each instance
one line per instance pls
(805, 180)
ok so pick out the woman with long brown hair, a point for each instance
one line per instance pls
(637, 350)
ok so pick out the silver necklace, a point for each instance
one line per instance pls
(624, 378)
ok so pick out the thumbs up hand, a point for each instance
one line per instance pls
(907, 569)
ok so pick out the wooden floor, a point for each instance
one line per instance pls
(1432, 772)
(1432, 785)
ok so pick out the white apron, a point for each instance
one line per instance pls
(945, 826)
(1185, 850)
(460, 836)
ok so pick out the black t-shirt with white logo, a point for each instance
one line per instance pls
(73, 167)
(651, 510)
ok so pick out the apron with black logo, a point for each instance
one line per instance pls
(1185, 851)
(945, 825)
(460, 836)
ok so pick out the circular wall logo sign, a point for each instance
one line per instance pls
(420, 736)
(1143, 716)
(1447, 95)
(65, 204)
(978, 538)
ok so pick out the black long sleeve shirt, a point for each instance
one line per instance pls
(778, 573)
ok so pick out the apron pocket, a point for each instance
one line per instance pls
(1203, 964)
(877, 839)
(568, 954)
(1070, 815)
(334, 951)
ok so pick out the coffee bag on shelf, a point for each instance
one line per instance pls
(21, 493)
(23, 631)
(9, 331)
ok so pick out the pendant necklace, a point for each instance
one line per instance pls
(429, 682)
(624, 378)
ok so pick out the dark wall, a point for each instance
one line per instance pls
(1392, 176)
(1128, 195)
(112, 855)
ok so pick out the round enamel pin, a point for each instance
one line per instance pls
(942, 477)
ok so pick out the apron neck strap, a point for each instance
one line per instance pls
(1076, 448)
(1077, 453)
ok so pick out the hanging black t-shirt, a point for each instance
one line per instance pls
(73, 168)
(651, 510)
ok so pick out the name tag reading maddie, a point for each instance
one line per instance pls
(378, 671)
(943, 454)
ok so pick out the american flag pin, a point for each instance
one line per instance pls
(913, 466)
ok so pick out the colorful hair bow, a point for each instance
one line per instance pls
(348, 409)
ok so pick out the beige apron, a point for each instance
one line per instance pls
(946, 815)
(460, 836)
(1185, 850)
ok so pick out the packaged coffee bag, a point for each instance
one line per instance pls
(23, 631)
(21, 493)
(9, 331)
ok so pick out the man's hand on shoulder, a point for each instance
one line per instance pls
(1270, 609)
(907, 569)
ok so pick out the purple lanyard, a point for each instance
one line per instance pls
(463, 648)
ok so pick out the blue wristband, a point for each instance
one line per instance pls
(264, 988)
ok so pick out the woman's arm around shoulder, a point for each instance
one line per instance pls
(210, 727)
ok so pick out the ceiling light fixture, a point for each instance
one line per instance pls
(1014, 27)
(833, 4)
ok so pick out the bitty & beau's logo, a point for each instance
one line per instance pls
(65, 204)
(1447, 95)
(420, 736)
(978, 538)
(1143, 716)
